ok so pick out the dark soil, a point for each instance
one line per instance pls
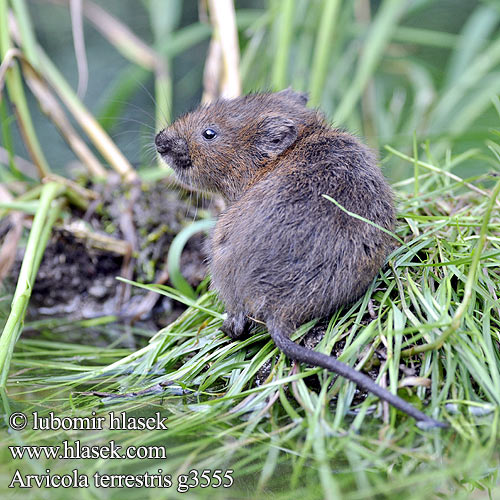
(78, 280)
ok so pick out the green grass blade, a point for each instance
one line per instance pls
(40, 230)
(285, 14)
(323, 49)
(473, 37)
(175, 251)
(379, 35)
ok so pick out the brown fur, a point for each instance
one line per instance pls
(281, 252)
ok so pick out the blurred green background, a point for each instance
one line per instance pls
(427, 79)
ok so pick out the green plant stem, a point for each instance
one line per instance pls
(7, 138)
(443, 113)
(415, 165)
(381, 30)
(46, 214)
(323, 49)
(469, 284)
(286, 12)
(175, 251)
(18, 97)
(359, 217)
(29, 207)
(163, 21)
(416, 36)
(26, 29)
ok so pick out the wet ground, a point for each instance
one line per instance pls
(77, 276)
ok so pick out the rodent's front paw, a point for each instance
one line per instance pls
(236, 326)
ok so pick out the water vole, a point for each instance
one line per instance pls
(281, 252)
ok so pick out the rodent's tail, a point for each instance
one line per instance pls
(299, 353)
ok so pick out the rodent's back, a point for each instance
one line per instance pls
(283, 251)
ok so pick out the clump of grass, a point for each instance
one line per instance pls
(280, 434)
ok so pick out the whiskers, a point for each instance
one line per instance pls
(147, 115)
(135, 127)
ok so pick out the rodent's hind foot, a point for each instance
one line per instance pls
(236, 326)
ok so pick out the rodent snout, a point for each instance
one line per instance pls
(173, 149)
(167, 143)
(163, 142)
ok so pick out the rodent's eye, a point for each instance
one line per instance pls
(209, 134)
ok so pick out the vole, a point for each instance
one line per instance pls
(281, 252)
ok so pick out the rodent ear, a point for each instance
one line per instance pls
(276, 134)
(298, 97)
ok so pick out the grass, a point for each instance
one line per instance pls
(40, 233)
(429, 326)
(283, 435)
